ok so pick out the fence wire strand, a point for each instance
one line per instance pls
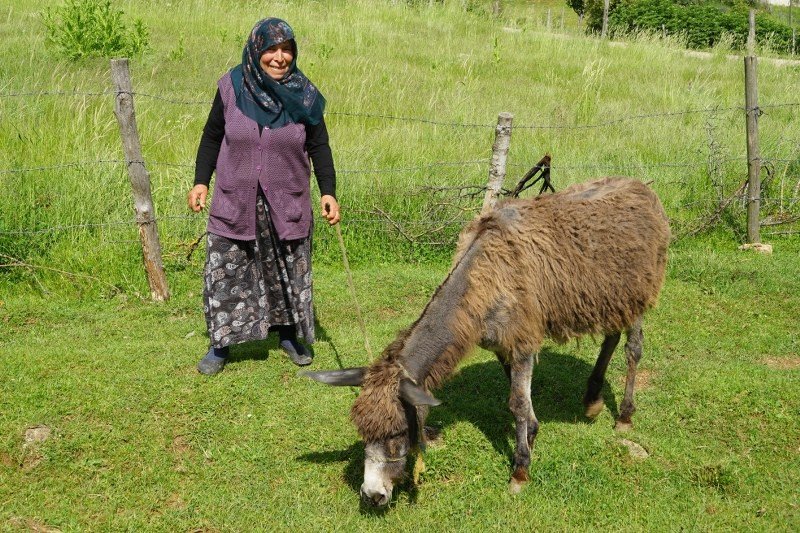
(418, 168)
(450, 206)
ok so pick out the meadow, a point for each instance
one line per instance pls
(138, 441)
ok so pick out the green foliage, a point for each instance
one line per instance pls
(700, 24)
(93, 28)
(179, 52)
(578, 6)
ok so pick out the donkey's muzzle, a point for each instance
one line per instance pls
(375, 498)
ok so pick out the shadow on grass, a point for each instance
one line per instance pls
(478, 394)
(354, 475)
(261, 350)
(354, 456)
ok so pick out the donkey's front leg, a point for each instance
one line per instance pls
(527, 425)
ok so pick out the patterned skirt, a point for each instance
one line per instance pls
(251, 286)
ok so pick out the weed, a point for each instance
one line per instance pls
(93, 28)
(179, 52)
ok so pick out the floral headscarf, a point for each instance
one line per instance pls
(274, 103)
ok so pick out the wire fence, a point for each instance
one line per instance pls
(426, 213)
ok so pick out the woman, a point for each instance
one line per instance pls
(265, 123)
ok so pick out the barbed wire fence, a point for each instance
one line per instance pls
(427, 215)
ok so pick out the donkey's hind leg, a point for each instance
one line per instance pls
(526, 423)
(592, 400)
(633, 353)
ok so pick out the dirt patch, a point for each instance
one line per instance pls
(7, 460)
(31, 460)
(29, 524)
(782, 363)
(180, 445)
(643, 379)
(388, 312)
(181, 452)
(176, 502)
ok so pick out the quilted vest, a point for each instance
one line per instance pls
(275, 161)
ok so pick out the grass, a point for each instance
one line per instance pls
(141, 441)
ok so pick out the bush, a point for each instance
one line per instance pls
(701, 24)
(93, 28)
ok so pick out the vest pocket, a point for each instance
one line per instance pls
(222, 207)
(293, 205)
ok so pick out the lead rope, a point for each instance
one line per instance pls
(352, 288)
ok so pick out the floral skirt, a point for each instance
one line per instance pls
(251, 286)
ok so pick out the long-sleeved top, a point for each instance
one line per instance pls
(319, 151)
(252, 161)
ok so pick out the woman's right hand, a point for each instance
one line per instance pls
(197, 198)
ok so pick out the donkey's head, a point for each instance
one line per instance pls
(390, 419)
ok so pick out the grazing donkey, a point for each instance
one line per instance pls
(587, 260)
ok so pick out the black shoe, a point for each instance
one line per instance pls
(211, 364)
(297, 352)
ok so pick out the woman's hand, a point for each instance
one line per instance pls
(197, 198)
(330, 209)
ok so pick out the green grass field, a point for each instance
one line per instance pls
(139, 441)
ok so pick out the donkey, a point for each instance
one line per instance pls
(587, 260)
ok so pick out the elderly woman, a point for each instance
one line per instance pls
(265, 123)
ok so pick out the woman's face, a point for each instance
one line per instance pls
(277, 59)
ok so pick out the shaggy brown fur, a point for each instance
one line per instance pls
(587, 260)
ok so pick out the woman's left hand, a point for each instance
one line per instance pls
(330, 209)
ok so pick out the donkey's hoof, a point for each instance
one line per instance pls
(515, 487)
(623, 426)
(594, 408)
(518, 480)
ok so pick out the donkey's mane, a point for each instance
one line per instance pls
(377, 412)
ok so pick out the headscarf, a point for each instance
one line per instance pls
(274, 103)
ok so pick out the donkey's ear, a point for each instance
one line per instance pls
(416, 395)
(348, 377)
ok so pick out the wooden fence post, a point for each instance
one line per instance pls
(497, 170)
(753, 151)
(140, 180)
(604, 30)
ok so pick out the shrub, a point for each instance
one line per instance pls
(93, 28)
(578, 6)
(701, 24)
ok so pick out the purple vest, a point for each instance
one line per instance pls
(276, 161)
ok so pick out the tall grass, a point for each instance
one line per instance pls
(585, 101)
